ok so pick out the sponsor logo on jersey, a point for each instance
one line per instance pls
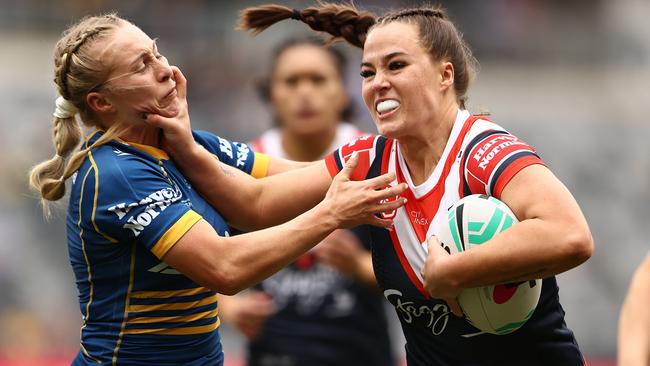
(242, 153)
(225, 147)
(434, 317)
(389, 214)
(154, 204)
(493, 147)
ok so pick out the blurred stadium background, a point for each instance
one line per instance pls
(570, 77)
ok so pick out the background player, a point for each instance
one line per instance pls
(148, 252)
(634, 321)
(416, 71)
(325, 308)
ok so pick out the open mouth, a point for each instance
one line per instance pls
(171, 94)
(386, 106)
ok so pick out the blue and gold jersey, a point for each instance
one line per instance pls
(129, 204)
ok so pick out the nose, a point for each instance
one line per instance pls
(380, 82)
(163, 70)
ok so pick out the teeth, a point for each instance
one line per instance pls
(387, 105)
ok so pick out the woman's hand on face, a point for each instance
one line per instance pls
(354, 203)
(436, 282)
(177, 129)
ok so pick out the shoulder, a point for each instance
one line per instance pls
(117, 164)
(492, 156)
(370, 149)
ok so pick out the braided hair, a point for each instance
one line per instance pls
(76, 73)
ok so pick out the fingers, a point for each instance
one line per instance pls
(181, 82)
(381, 181)
(389, 192)
(156, 120)
(433, 240)
(349, 167)
(387, 206)
(376, 221)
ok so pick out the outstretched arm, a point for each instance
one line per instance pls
(230, 264)
(634, 321)
(247, 203)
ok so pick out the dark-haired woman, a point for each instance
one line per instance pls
(416, 71)
(325, 308)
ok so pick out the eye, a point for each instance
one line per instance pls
(367, 73)
(318, 79)
(396, 65)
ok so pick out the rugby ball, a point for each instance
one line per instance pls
(498, 309)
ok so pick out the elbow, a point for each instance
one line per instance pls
(579, 246)
(225, 281)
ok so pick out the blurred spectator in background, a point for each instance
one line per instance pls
(325, 308)
(634, 322)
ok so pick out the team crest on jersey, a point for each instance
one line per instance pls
(389, 215)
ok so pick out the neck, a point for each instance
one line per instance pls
(423, 151)
(144, 134)
(307, 147)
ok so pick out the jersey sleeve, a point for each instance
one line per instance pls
(365, 146)
(492, 158)
(236, 154)
(135, 201)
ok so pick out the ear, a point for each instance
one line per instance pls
(98, 102)
(446, 75)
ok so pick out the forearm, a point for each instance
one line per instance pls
(634, 322)
(248, 203)
(279, 165)
(287, 195)
(233, 193)
(255, 256)
(528, 250)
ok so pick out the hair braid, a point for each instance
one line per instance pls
(76, 72)
(339, 20)
(63, 67)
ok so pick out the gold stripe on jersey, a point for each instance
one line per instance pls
(151, 150)
(260, 165)
(174, 319)
(126, 305)
(173, 306)
(90, 277)
(174, 233)
(168, 294)
(92, 217)
(177, 331)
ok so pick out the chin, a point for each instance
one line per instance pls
(389, 130)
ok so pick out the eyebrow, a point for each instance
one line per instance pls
(142, 54)
(385, 58)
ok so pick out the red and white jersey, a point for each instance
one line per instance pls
(270, 142)
(480, 157)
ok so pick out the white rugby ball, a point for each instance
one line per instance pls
(498, 309)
